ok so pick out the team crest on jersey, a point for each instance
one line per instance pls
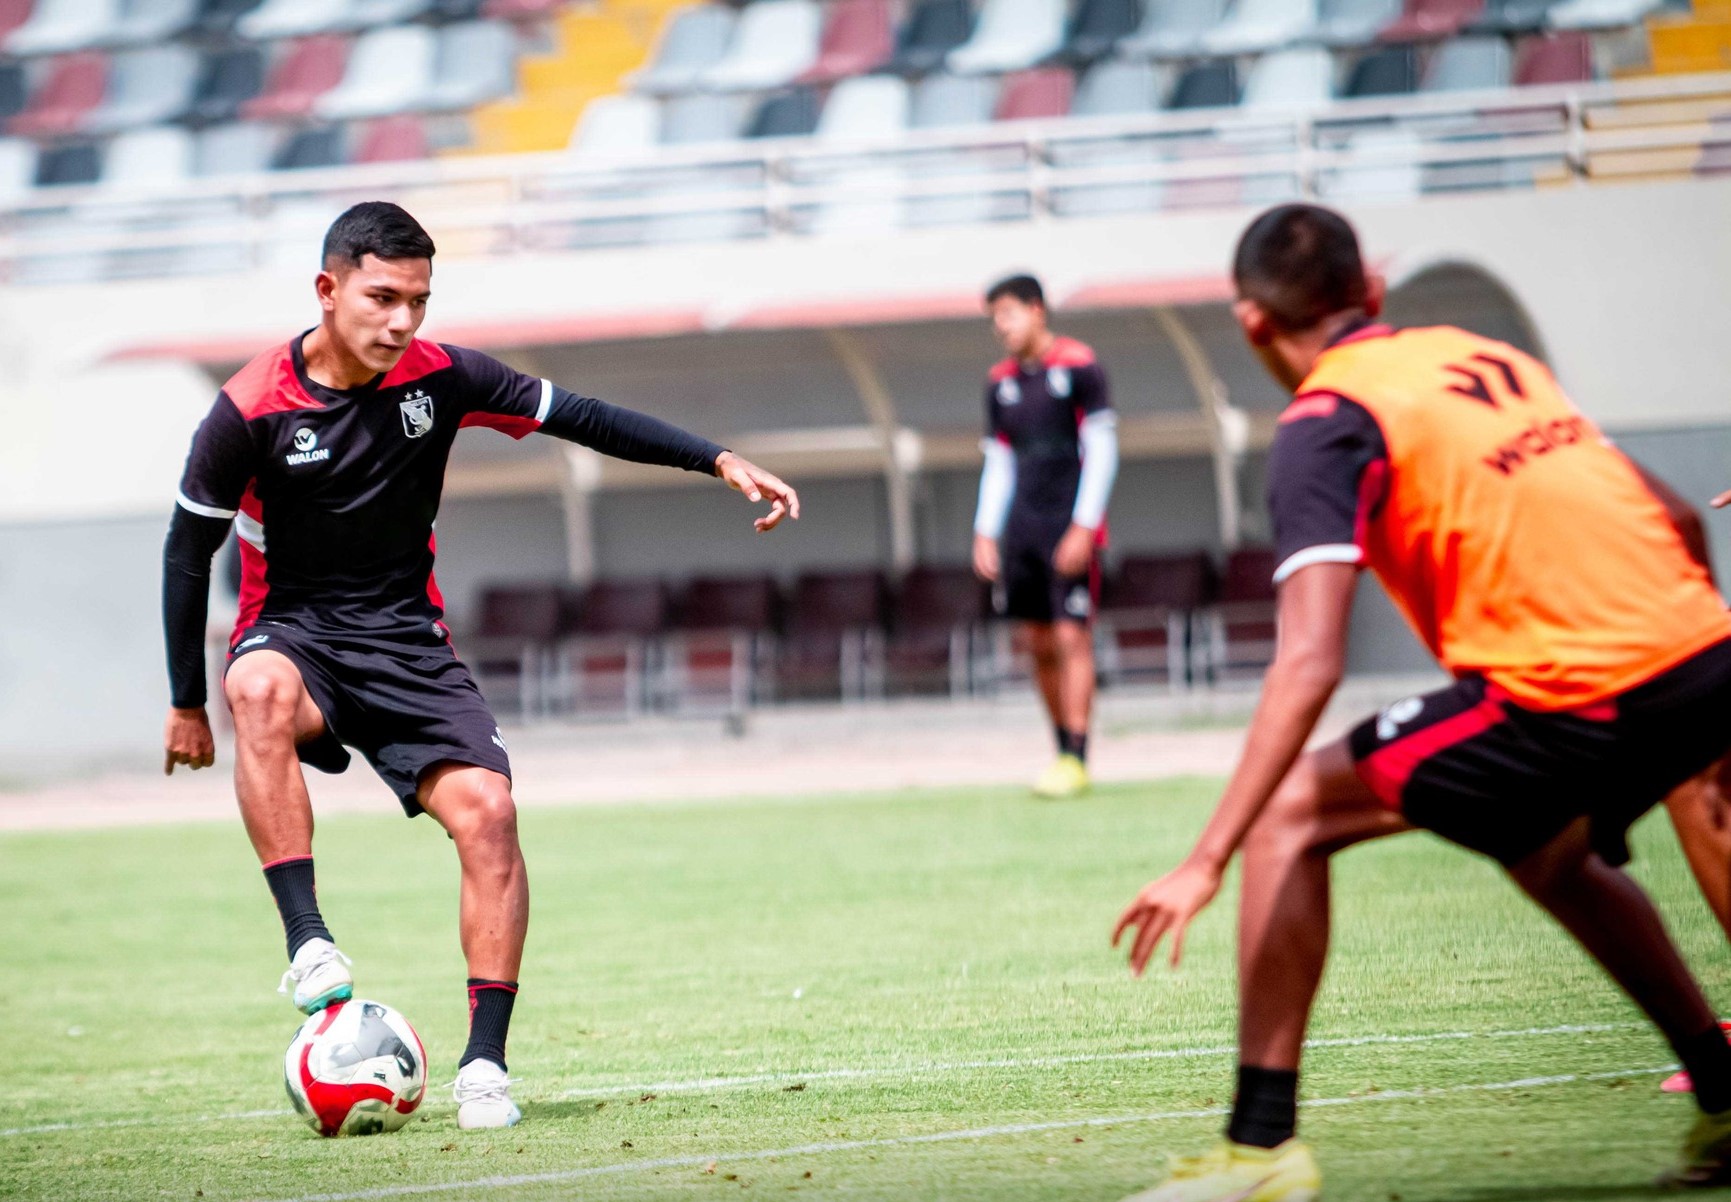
(417, 410)
(1058, 381)
(1009, 391)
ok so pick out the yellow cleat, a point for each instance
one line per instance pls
(1067, 777)
(1706, 1159)
(1239, 1173)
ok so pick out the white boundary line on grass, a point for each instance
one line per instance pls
(708, 1084)
(937, 1137)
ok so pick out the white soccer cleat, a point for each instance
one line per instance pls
(483, 1094)
(320, 975)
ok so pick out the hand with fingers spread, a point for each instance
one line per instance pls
(1165, 907)
(757, 484)
(186, 739)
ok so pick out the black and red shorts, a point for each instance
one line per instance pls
(407, 703)
(1032, 590)
(1469, 764)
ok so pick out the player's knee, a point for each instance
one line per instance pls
(488, 813)
(1288, 825)
(262, 697)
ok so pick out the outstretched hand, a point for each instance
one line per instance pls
(756, 484)
(1164, 907)
(1722, 500)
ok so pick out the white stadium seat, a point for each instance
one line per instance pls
(145, 86)
(1254, 26)
(1010, 35)
(292, 18)
(1298, 78)
(615, 126)
(693, 40)
(57, 26)
(389, 71)
(474, 62)
(157, 157)
(774, 42)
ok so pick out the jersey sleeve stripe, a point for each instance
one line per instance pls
(1324, 553)
(250, 530)
(202, 510)
(546, 402)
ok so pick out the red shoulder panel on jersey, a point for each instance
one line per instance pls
(421, 359)
(1067, 352)
(268, 385)
(1003, 369)
(508, 423)
(1310, 404)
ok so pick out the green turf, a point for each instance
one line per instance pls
(906, 938)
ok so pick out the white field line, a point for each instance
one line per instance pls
(930, 1068)
(938, 1137)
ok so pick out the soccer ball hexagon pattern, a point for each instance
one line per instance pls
(355, 1068)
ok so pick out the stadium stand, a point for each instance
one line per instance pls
(834, 645)
(719, 654)
(1151, 612)
(507, 650)
(605, 655)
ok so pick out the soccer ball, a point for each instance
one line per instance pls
(355, 1068)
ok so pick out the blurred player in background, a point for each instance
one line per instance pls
(328, 454)
(1591, 653)
(1051, 450)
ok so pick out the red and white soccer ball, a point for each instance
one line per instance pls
(356, 1068)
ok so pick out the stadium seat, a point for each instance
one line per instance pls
(1115, 87)
(1110, 88)
(865, 107)
(146, 86)
(306, 71)
(455, 10)
(72, 90)
(1255, 26)
(14, 90)
(1206, 85)
(69, 164)
(1240, 625)
(313, 147)
(693, 40)
(1146, 613)
(835, 637)
(789, 114)
(1039, 94)
(617, 125)
(159, 157)
(858, 38)
(696, 118)
(1011, 35)
(13, 13)
(944, 102)
(1299, 78)
(146, 21)
(369, 14)
(1552, 58)
(1098, 27)
(774, 43)
(398, 139)
(1473, 62)
(216, 18)
(606, 653)
(17, 168)
(1512, 16)
(237, 148)
(719, 652)
(1354, 22)
(1431, 20)
(389, 71)
(474, 62)
(60, 26)
(931, 31)
(941, 101)
(936, 642)
(1391, 71)
(1600, 14)
(292, 18)
(1173, 28)
(507, 649)
(519, 10)
(227, 80)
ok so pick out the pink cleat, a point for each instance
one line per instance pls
(1679, 1082)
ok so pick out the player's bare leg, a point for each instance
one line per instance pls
(1063, 659)
(474, 805)
(1701, 814)
(1075, 641)
(273, 713)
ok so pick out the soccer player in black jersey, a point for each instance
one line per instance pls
(328, 455)
(1051, 452)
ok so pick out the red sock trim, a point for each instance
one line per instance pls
(284, 860)
(507, 986)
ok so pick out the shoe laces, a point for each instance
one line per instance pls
(479, 1087)
(317, 960)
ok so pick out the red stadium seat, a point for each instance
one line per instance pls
(1031, 95)
(1431, 20)
(14, 13)
(519, 10)
(508, 647)
(1565, 57)
(73, 89)
(1242, 627)
(1146, 616)
(308, 69)
(607, 648)
(720, 651)
(857, 39)
(398, 139)
(937, 632)
(834, 642)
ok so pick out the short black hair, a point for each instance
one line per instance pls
(1024, 288)
(375, 227)
(1301, 263)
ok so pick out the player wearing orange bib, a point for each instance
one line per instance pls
(1592, 665)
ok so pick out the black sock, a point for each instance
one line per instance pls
(1265, 1111)
(291, 883)
(490, 1005)
(1073, 742)
(1707, 1057)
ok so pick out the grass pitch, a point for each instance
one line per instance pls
(891, 997)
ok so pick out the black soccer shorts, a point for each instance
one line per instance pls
(1030, 589)
(1469, 764)
(405, 703)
